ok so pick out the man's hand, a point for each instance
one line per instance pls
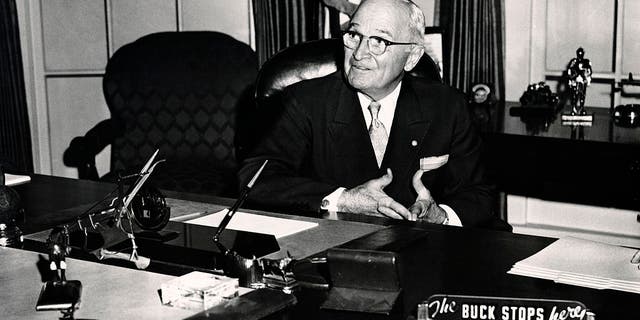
(425, 207)
(368, 198)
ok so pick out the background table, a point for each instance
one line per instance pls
(532, 154)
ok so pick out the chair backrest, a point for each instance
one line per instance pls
(179, 92)
(315, 59)
(304, 61)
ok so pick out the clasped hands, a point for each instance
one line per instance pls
(369, 198)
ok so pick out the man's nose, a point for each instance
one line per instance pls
(362, 50)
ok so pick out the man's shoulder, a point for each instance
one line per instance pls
(431, 87)
(317, 86)
(438, 94)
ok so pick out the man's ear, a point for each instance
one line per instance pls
(414, 56)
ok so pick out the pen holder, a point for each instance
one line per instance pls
(248, 270)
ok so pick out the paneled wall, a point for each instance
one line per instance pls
(541, 38)
(66, 48)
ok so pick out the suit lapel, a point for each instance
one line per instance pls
(411, 122)
(348, 129)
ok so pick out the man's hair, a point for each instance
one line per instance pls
(416, 22)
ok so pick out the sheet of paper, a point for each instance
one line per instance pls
(583, 263)
(14, 179)
(244, 221)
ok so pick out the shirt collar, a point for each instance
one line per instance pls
(387, 107)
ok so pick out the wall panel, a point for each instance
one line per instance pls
(580, 23)
(74, 35)
(631, 38)
(517, 69)
(589, 222)
(226, 16)
(76, 104)
(131, 20)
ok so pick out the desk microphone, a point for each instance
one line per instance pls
(243, 196)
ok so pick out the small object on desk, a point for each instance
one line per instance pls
(636, 258)
(451, 306)
(198, 290)
(243, 196)
(539, 95)
(389, 256)
(577, 119)
(14, 179)
(578, 79)
(11, 213)
(254, 305)
(482, 104)
(627, 115)
(60, 296)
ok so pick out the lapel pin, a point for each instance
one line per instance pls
(414, 143)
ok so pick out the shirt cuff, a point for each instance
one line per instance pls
(330, 202)
(454, 220)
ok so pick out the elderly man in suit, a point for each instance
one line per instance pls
(370, 138)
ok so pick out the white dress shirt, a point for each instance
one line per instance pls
(385, 115)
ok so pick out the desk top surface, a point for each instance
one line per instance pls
(458, 260)
(108, 292)
(512, 119)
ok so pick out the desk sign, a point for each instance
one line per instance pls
(452, 307)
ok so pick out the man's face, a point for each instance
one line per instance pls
(377, 75)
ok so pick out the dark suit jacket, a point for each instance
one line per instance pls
(321, 143)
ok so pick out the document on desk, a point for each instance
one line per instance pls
(583, 263)
(243, 221)
(14, 179)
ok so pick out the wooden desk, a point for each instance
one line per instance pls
(456, 260)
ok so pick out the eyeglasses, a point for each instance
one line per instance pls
(377, 45)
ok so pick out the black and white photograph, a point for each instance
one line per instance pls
(320, 159)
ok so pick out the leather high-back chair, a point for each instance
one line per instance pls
(179, 92)
(304, 61)
(314, 59)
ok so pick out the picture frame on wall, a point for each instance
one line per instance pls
(433, 46)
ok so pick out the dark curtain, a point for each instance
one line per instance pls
(474, 43)
(282, 23)
(15, 138)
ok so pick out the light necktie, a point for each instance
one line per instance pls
(377, 132)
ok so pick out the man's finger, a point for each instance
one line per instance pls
(417, 209)
(387, 212)
(421, 190)
(400, 212)
(383, 181)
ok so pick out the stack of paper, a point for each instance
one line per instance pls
(583, 263)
